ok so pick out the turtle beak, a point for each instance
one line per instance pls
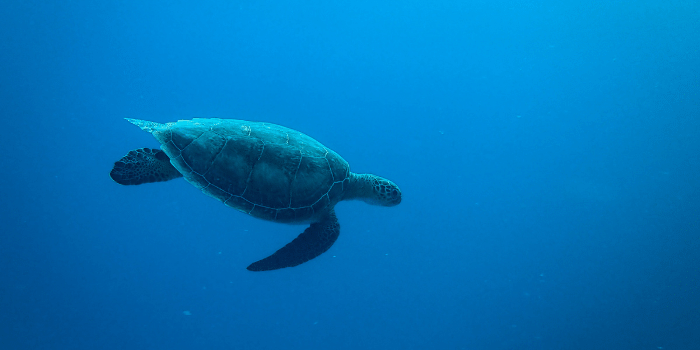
(395, 196)
(392, 196)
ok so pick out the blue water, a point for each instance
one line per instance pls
(548, 154)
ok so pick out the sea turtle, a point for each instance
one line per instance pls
(265, 170)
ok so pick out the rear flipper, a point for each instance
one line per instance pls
(142, 166)
(311, 243)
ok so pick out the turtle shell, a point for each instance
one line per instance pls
(265, 170)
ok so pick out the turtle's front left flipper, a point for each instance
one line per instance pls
(143, 165)
(311, 243)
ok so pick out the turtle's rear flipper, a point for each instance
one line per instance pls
(142, 166)
(311, 243)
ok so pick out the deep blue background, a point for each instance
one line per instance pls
(548, 153)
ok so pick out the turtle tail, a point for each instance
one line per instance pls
(145, 125)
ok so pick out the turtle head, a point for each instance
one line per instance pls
(373, 189)
(385, 192)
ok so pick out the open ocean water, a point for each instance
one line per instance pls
(548, 153)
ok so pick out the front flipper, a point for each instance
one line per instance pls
(143, 165)
(311, 243)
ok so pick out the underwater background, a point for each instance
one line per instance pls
(548, 153)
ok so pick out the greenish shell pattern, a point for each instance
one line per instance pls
(265, 170)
